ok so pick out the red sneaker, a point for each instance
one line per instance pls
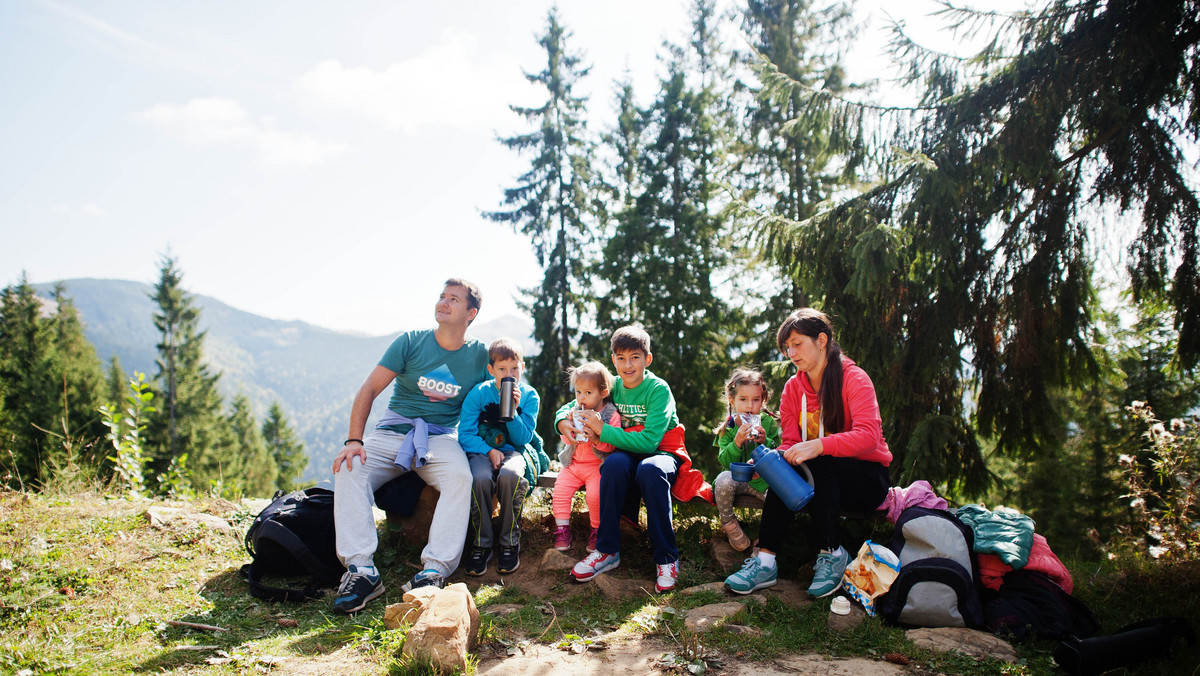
(591, 545)
(668, 574)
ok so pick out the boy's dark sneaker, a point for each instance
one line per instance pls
(426, 578)
(509, 561)
(477, 561)
(356, 589)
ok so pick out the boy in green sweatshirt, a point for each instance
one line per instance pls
(649, 461)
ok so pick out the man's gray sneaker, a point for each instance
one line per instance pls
(426, 578)
(356, 589)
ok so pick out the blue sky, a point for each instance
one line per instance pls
(323, 161)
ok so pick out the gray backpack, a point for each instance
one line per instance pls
(936, 586)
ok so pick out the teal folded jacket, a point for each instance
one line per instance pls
(1005, 532)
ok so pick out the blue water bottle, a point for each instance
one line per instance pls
(783, 478)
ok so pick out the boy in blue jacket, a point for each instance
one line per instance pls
(493, 447)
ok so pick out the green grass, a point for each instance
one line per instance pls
(88, 587)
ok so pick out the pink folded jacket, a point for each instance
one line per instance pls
(919, 494)
(1041, 558)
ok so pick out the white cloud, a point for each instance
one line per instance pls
(445, 85)
(89, 209)
(204, 122)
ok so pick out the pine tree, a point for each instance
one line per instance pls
(255, 463)
(188, 419)
(31, 392)
(81, 380)
(50, 382)
(668, 246)
(972, 250)
(553, 203)
(285, 448)
(792, 157)
(116, 382)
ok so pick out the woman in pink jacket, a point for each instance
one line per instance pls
(829, 420)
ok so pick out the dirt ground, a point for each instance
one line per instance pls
(640, 655)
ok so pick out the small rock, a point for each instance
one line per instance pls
(755, 599)
(711, 586)
(165, 517)
(840, 623)
(288, 622)
(713, 615)
(969, 642)
(616, 588)
(743, 629)
(447, 629)
(727, 558)
(503, 610)
(791, 594)
(214, 522)
(556, 560)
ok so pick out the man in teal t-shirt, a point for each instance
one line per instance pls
(431, 371)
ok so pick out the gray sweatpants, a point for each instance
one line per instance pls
(447, 470)
(510, 485)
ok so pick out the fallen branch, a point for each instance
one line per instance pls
(194, 625)
(553, 621)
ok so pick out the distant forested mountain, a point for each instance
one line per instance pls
(313, 372)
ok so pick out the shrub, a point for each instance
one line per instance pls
(1164, 483)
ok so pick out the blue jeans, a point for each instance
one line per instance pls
(626, 476)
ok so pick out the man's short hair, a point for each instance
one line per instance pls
(504, 348)
(474, 297)
(628, 338)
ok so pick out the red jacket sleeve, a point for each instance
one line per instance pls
(864, 438)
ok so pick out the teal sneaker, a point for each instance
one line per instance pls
(827, 573)
(752, 576)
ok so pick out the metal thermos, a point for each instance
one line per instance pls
(506, 398)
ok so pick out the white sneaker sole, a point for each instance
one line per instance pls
(760, 585)
(594, 572)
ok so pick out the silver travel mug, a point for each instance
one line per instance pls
(506, 398)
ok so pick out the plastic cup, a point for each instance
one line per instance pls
(741, 471)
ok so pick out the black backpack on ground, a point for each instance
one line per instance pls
(936, 586)
(1030, 603)
(294, 536)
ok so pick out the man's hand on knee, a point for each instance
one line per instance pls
(351, 449)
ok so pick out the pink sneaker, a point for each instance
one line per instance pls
(668, 573)
(591, 545)
(562, 538)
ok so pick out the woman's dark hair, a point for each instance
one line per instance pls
(812, 323)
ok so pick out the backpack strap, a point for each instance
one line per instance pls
(277, 594)
(294, 546)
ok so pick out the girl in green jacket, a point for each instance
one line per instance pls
(748, 425)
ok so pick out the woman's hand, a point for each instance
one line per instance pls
(803, 451)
